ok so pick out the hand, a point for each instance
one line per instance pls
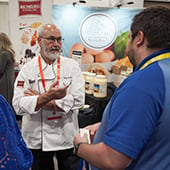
(57, 93)
(53, 93)
(82, 139)
(93, 129)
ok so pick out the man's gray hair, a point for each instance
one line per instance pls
(41, 31)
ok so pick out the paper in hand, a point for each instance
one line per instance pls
(82, 131)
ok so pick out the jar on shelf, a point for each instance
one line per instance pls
(89, 82)
(85, 73)
(100, 86)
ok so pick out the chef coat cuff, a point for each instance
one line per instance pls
(29, 103)
(64, 104)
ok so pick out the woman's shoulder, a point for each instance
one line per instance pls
(6, 54)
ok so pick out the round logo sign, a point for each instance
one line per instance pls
(98, 31)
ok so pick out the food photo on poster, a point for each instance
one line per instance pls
(28, 40)
(96, 38)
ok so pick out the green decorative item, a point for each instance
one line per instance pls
(120, 45)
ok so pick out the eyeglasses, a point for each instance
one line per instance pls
(52, 39)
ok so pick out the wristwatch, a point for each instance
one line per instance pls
(76, 148)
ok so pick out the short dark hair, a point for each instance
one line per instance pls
(154, 22)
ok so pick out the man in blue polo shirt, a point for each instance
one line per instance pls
(135, 130)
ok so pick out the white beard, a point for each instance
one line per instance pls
(52, 56)
(49, 55)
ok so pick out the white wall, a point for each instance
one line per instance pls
(4, 17)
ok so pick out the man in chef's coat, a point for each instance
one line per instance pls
(48, 92)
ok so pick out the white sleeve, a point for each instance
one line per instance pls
(21, 103)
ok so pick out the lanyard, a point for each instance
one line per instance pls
(152, 60)
(42, 74)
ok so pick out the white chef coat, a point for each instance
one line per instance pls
(49, 130)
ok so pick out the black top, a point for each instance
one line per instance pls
(7, 75)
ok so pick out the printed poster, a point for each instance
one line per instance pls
(26, 17)
(96, 38)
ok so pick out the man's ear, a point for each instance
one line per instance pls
(38, 40)
(140, 38)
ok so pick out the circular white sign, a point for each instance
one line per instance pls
(98, 31)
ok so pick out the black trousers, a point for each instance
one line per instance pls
(42, 160)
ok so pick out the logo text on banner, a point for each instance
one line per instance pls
(32, 7)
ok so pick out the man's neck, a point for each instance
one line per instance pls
(47, 60)
(146, 53)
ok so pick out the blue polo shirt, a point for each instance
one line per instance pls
(136, 122)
